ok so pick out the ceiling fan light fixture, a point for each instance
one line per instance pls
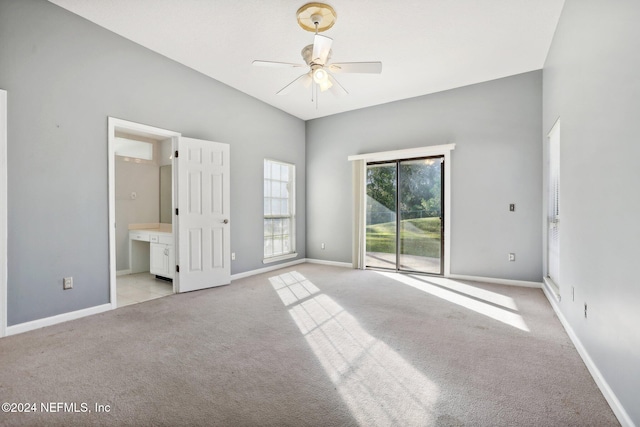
(320, 76)
(325, 85)
(318, 17)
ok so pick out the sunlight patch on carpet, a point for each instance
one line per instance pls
(292, 287)
(428, 285)
(377, 384)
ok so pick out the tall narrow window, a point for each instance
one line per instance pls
(279, 211)
(553, 217)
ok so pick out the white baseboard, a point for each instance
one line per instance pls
(266, 269)
(288, 264)
(551, 289)
(123, 272)
(64, 317)
(53, 320)
(332, 263)
(509, 282)
(609, 395)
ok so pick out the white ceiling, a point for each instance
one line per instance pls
(425, 46)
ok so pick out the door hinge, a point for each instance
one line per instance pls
(177, 269)
(176, 211)
(175, 154)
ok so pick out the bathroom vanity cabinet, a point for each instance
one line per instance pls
(161, 256)
(152, 249)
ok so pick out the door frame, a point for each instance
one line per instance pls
(114, 125)
(3, 213)
(428, 151)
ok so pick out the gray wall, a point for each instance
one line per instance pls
(496, 127)
(64, 77)
(591, 82)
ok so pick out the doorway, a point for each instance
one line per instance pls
(198, 235)
(144, 238)
(405, 215)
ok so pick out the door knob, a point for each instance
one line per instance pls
(225, 221)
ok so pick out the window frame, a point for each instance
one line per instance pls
(290, 215)
(552, 246)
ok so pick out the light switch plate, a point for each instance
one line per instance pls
(67, 283)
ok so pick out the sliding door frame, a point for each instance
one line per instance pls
(398, 237)
(428, 151)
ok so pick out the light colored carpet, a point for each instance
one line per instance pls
(310, 345)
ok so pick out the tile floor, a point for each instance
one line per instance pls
(139, 287)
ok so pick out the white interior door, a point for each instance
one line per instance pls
(203, 214)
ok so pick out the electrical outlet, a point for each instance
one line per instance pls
(321, 245)
(585, 310)
(67, 283)
(512, 256)
(512, 207)
(233, 256)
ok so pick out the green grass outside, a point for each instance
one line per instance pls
(420, 236)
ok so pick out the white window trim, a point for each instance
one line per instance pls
(292, 200)
(548, 281)
(279, 258)
(434, 150)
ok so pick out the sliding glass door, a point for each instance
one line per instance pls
(381, 215)
(405, 215)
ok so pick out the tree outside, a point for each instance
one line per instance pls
(419, 207)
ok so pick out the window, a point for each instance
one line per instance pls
(279, 210)
(553, 217)
(133, 149)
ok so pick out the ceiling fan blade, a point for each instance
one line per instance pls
(321, 49)
(305, 79)
(277, 64)
(337, 89)
(356, 67)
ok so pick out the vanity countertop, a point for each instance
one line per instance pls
(156, 227)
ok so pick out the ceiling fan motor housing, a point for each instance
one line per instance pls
(307, 55)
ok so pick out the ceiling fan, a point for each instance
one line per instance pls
(318, 17)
